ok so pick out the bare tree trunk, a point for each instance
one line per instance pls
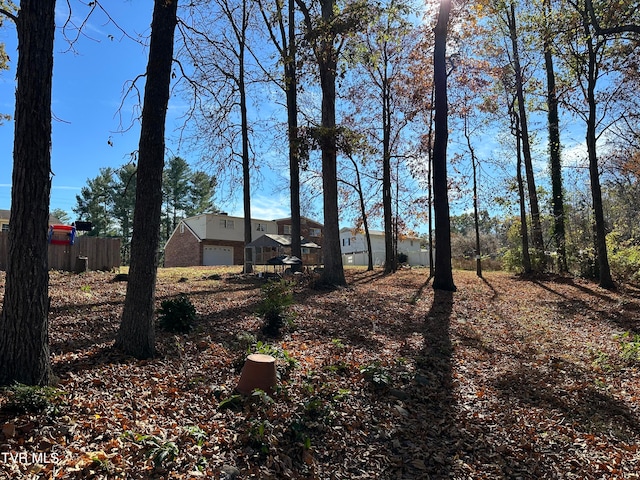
(476, 220)
(604, 271)
(390, 258)
(136, 335)
(363, 211)
(526, 258)
(536, 227)
(246, 174)
(443, 279)
(326, 56)
(24, 324)
(291, 88)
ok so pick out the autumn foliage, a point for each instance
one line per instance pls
(385, 378)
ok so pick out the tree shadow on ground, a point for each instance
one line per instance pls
(621, 310)
(424, 441)
(564, 388)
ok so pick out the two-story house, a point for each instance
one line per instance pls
(211, 239)
(218, 239)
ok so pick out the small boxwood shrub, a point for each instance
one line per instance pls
(177, 315)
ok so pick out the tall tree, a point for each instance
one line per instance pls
(443, 279)
(602, 48)
(200, 195)
(218, 47)
(536, 230)
(175, 185)
(136, 334)
(95, 203)
(286, 44)
(324, 35)
(24, 323)
(555, 160)
(123, 203)
(386, 46)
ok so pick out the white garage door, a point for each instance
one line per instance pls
(216, 255)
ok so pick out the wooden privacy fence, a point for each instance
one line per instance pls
(101, 253)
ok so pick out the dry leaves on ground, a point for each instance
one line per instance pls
(505, 378)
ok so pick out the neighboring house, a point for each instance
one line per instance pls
(211, 239)
(269, 246)
(311, 231)
(353, 245)
(4, 220)
(218, 239)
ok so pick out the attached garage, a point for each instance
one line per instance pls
(217, 255)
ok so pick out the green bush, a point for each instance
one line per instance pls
(624, 259)
(629, 346)
(177, 315)
(32, 398)
(276, 298)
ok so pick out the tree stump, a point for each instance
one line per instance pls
(82, 264)
(259, 371)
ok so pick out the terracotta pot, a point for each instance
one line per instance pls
(259, 371)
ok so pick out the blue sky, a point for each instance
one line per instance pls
(88, 89)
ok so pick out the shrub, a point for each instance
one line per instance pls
(376, 374)
(177, 315)
(29, 398)
(629, 346)
(276, 297)
(624, 259)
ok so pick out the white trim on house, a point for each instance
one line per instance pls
(353, 246)
(180, 228)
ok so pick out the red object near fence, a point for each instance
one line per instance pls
(62, 234)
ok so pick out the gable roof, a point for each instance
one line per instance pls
(302, 219)
(273, 240)
(188, 228)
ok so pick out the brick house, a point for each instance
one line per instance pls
(218, 239)
(211, 239)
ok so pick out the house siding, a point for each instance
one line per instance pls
(354, 249)
(307, 227)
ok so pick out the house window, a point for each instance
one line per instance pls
(346, 241)
(287, 229)
(181, 227)
(314, 232)
(259, 227)
(305, 251)
(5, 227)
(226, 223)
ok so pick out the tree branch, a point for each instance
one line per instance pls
(9, 15)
